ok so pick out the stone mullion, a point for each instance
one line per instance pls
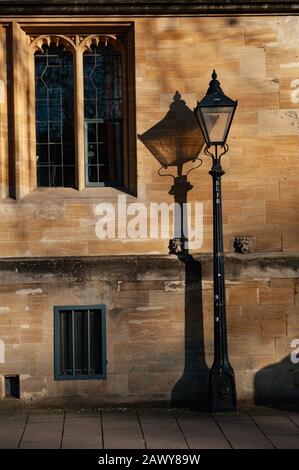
(4, 163)
(32, 123)
(79, 118)
(20, 111)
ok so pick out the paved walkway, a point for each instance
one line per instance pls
(254, 428)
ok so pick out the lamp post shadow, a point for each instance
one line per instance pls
(192, 388)
(174, 141)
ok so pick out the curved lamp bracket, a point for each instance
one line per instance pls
(195, 167)
(189, 171)
(224, 149)
(164, 174)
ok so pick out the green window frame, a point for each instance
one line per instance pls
(80, 342)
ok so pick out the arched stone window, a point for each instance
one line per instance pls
(72, 125)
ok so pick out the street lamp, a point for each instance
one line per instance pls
(214, 114)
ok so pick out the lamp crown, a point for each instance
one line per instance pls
(177, 96)
(214, 85)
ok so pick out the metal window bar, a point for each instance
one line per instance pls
(62, 335)
(73, 343)
(88, 342)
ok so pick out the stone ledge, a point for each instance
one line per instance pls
(157, 7)
(144, 268)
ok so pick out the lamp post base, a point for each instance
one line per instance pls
(222, 389)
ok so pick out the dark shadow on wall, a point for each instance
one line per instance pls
(176, 138)
(174, 141)
(278, 385)
(192, 388)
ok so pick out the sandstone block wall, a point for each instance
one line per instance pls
(159, 327)
(257, 62)
(159, 311)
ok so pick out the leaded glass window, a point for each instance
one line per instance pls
(103, 116)
(54, 93)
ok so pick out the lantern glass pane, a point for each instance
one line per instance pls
(217, 121)
(202, 125)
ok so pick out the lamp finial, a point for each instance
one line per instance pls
(214, 85)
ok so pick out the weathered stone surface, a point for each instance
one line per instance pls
(276, 295)
(242, 295)
(259, 191)
(154, 329)
(159, 318)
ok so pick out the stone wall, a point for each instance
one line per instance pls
(257, 63)
(159, 327)
(159, 310)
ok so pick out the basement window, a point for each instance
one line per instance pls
(12, 386)
(79, 342)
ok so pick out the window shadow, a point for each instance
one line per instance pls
(278, 385)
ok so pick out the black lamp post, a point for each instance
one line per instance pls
(215, 113)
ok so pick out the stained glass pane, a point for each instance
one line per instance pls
(42, 132)
(55, 131)
(42, 154)
(54, 93)
(103, 114)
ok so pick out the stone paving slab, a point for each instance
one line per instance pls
(11, 430)
(113, 419)
(201, 431)
(242, 432)
(161, 431)
(294, 417)
(121, 430)
(280, 430)
(254, 428)
(123, 443)
(43, 432)
(84, 432)
(45, 418)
